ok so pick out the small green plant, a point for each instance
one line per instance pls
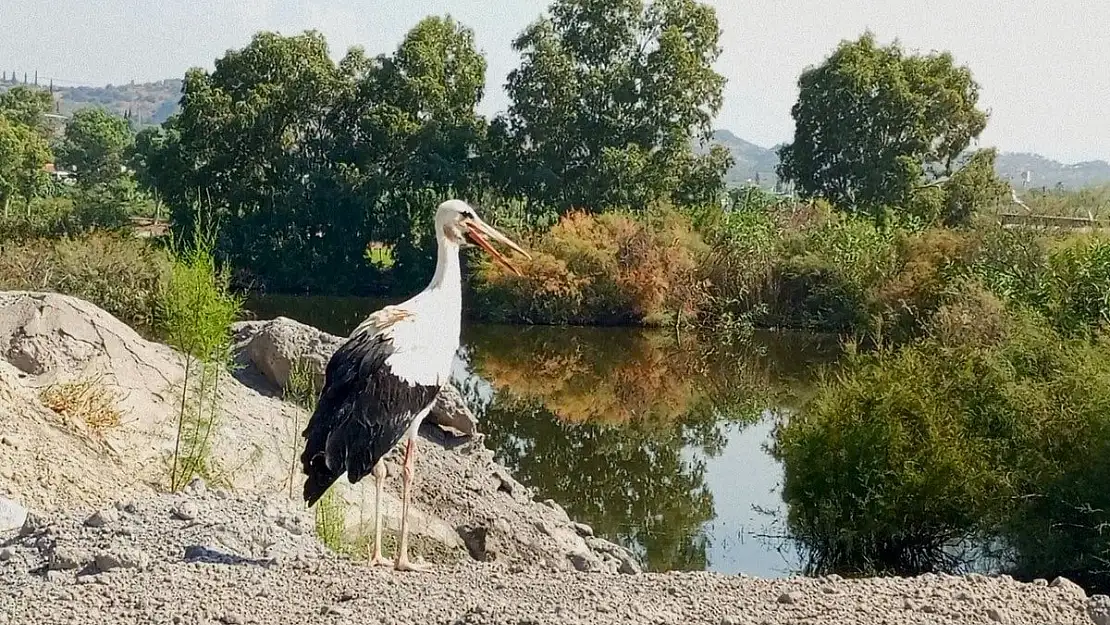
(195, 310)
(330, 521)
(300, 389)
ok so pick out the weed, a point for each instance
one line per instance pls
(195, 310)
(86, 400)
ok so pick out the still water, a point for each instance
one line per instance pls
(656, 440)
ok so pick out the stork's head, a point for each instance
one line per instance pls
(456, 220)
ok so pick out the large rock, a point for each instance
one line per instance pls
(12, 515)
(274, 346)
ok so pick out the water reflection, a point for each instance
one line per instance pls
(621, 426)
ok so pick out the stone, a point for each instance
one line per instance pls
(996, 615)
(101, 518)
(122, 558)
(187, 511)
(582, 529)
(789, 598)
(67, 558)
(1069, 586)
(1098, 609)
(12, 515)
(196, 487)
(731, 619)
(6, 554)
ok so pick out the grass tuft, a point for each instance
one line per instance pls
(85, 400)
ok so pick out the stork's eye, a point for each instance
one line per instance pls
(467, 214)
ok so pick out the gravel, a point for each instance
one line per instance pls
(243, 559)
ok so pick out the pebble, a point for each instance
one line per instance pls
(996, 615)
(185, 512)
(101, 518)
(6, 554)
(123, 558)
(790, 598)
(12, 515)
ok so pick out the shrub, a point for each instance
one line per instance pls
(118, 273)
(1077, 284)
(604, 269)
(195, 310)
(908, 455)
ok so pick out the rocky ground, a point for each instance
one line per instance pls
(213, 557)
(88, 536)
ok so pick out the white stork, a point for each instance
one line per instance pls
(382, 382)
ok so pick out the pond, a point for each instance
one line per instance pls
(655, 440)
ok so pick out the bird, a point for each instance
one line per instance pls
(382, 382)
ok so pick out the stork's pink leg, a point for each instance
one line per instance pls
(375, 557)
(403, 563)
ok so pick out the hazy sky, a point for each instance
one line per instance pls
(1044, 66)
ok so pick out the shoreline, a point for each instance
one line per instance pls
(101, 543)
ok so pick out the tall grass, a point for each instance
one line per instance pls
(195, 311)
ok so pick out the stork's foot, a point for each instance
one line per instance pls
(404, 564)
(379, 560)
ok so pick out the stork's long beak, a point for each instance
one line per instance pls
(478, 230)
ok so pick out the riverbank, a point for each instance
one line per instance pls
(211, 557)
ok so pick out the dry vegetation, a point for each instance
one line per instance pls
(87, 401)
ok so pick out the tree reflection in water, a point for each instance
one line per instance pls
(615, 425)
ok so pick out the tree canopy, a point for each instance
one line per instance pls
(306, 161)
(873, 124)
(606, 101)
(95, 144)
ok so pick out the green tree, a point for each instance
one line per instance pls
(27, 106)
(307, 161)
(95, 144)
(606, 102)
(23, 153)
(872, 124)
(974, 187)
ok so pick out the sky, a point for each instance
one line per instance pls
(1043, 65)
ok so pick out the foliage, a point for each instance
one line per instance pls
(122, 275)
(872, 123)
(23, 154)
(95, 144)
(27, 106)
(972, 189)
(608, 269)
(605, 103)
(307, 161)
(194, 314)
(946, 443)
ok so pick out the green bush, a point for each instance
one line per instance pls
(909, 455)
(118, 273)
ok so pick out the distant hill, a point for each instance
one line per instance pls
(1049, 173)
(754, 164)
(149, 103)
(753, 160)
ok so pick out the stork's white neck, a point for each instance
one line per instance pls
(448, 277)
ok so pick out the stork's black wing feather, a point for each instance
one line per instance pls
(362, 413)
